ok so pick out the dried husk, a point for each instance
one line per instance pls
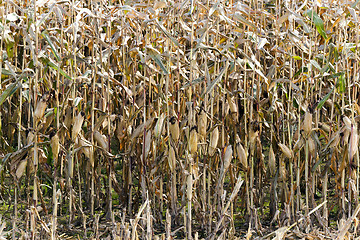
(193, 140)
(55, 147)
(202, 123)
(299, 144)
(272, 161)
(172, 159)
(347, 122)
(159, 126)
(85, 146)
(148, 140)
(242, 155)
(21, 169)
(325, 127)
(214, 137)
(40, 108)
(286, 151)
(77, 123)
(307, 124)
(354, 140)
(232, 104)
(282, 169)
(252, 137)
(101, 140)
(312, 146)
(227, 157)
(174, 129)
(68, 118)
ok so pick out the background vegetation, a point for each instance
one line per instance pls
(179, 119)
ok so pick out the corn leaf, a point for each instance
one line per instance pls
(212, 85)
(155, 55)
(318, 22)
(163, 29)
(321, 103)
(5, 71)
(53, 49)
(10, 90)
(55, 67)
(341, 83)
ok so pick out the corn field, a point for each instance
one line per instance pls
(177, 119)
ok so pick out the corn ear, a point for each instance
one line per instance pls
(214, 137)
(193, 140)
(242, 155)
(307, 124)
(202, 123)
(272, 161)
(172, 159)
(174, 128)
(286, 151)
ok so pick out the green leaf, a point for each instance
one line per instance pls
(301, 70)
(318, 22)
(194, 82)
(156, 56)
(341, 83)
(295, 103)
(10, 90)
(296, 57)
(315, 64)
(6, 72)
(316, 165)
(335, 75)
(54, 66)
(163, 29)
(212, 85)
(53, 49)
(321, 103)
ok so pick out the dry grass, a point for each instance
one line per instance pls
(179, 119)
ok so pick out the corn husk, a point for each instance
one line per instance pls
(325, 127)
(214, 137)
(21, 169)
(77, 124)
(202, 123)
(85, 146)
(174, 129)
(252, 137)
(286, 151)
(272, 161)
(40, 108)
(193, 141)
(353, 146)
(299, 144)
(307, 124)
(159, 126)
(101, 140)
(347, 122)
(232, 104)
(147, 143)
(241, 153)
(312, 146)
(55, 147)
(282, 170)
(335, 140)
(227, 157)
(68, 118)
(172, 159)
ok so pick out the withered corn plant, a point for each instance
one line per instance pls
(179, 119)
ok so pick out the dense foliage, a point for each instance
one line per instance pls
(183, 119)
